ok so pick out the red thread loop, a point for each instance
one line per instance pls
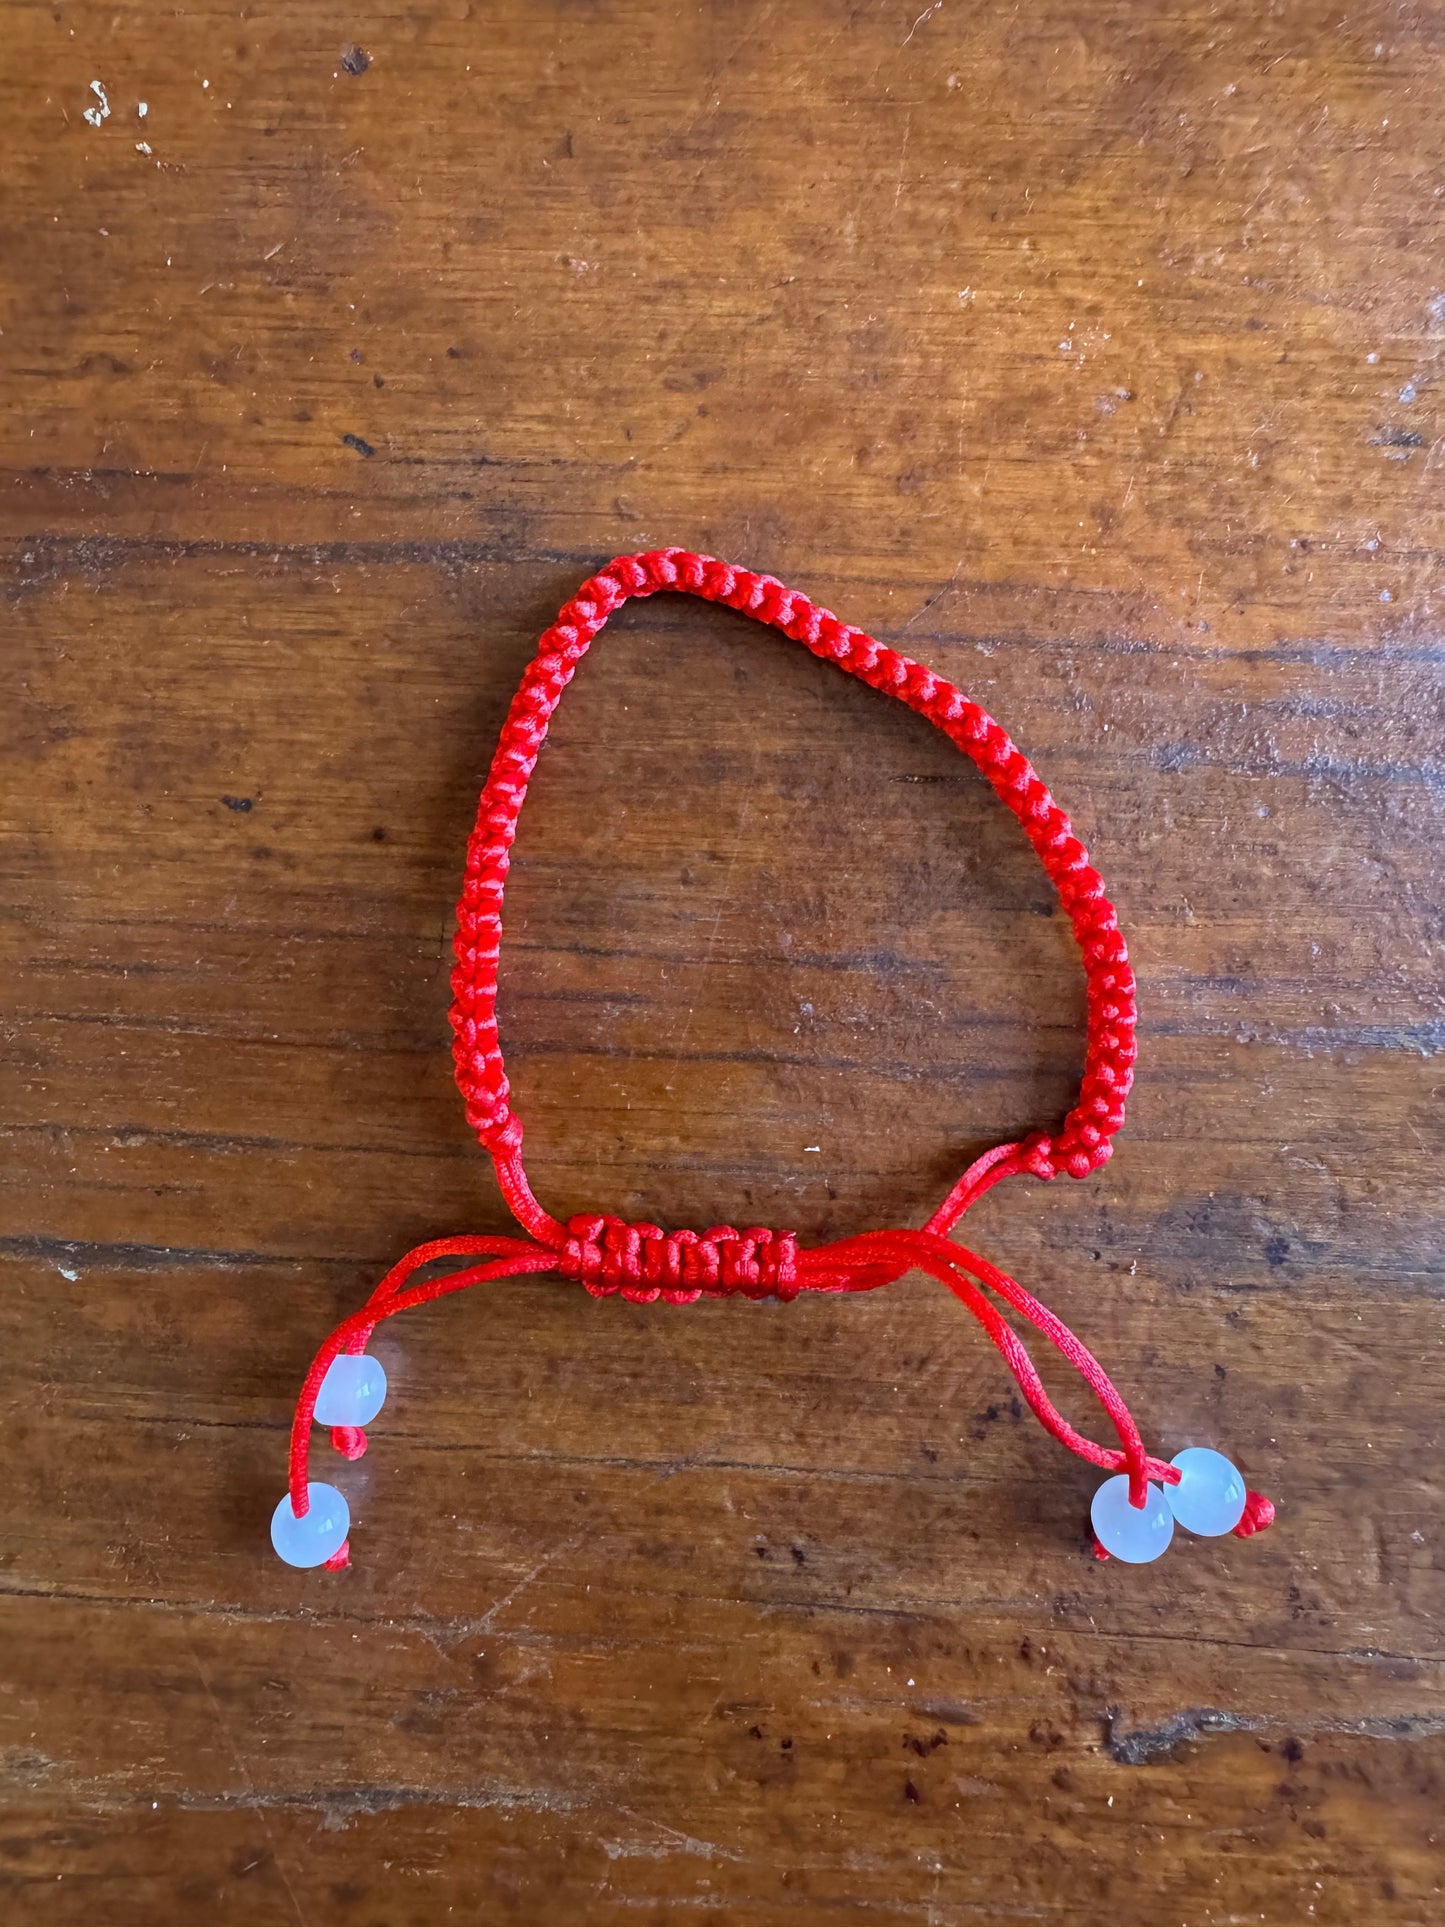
(642, 1262)
(1081, 1143)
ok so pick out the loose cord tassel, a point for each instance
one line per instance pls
(864, 1263)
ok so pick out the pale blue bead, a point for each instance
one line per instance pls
(1134, 1534)
(352, 1392)
(1209, 1498)
(311, 1539)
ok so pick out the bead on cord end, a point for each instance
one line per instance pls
(1209, 1498)
(1135, 1534)
(319, 1534)
(352, 1392)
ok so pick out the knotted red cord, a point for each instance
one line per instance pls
(643, 1263)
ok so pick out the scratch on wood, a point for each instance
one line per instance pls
(672, 1842)
(488, 1618)
(927, 14)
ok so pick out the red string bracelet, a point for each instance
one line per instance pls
(1135, 1510)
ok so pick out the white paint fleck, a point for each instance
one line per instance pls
(812, 1147)
(66, 1272)
(1385, 596)
(142, 147)
(1372, 359)
(143, 108)
(927, 14)
(1435, 307)
(101, 111)
(1409, 393)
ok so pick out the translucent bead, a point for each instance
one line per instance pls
(352, 1392)
(1209, 1498)
(311, 1539)
(1134, 1534)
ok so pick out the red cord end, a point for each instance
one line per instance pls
(349, 1440)
(1258, 1516)
(341, 1557)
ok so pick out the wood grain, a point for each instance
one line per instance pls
(1092, 354)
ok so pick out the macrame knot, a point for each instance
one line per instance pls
(643, 1263)
(503, 1135)
(1036, 1156)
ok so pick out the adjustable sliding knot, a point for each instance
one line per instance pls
(643, 1263)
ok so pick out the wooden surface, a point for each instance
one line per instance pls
(1090, 349)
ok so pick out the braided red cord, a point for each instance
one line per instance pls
(1083, 1142)
(643, 1263)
